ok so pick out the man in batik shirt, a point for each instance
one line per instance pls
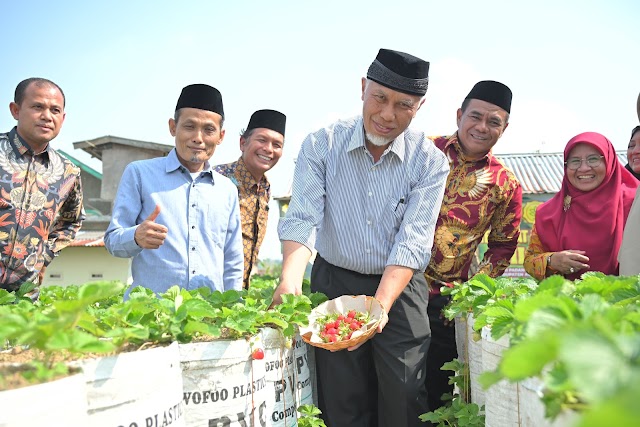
(481, 195)
(261, 144)
(40, 191)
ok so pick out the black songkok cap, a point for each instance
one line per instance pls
(635, 129)
(400, 71)
(202, 97)
(270, 119)
(492, 92)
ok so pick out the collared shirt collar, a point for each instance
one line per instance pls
(21, 147)
(453, 140)
(397, 146)
(173, 164)
(241, 168)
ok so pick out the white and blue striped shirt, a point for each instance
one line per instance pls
(363, 216)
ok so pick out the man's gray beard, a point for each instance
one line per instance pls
(376, 140)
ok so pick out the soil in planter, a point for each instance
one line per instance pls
(11, 377)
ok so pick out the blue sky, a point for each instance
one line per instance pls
(573, 66)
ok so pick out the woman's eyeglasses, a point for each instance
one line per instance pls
(592, 161)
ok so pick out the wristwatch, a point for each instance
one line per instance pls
(549, 261)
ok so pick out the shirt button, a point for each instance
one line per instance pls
(193, 249)
(368, 222)
(193, 272)
(193, 227)
(193, 205)
(367, 250)
(370, 194)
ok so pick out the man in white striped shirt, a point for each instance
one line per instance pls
(366, 195)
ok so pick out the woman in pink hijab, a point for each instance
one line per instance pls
(580, 228)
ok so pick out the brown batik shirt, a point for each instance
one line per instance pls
(254, 210)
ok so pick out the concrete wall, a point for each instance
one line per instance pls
(91, 186)
(114, 161)
(79, 265)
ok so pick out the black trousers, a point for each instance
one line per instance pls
(442, 349)
(382, 383)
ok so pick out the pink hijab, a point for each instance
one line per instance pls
(595, 219)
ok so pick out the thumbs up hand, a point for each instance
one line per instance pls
(149, 234)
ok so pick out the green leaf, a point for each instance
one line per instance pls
(77, 341)
(98, 291)
(542, 321)
(6, 297)
(25, 288)
(501, 327)
(230, 297)
(498, 311)
(525, 308)
(620, 410)
(309, 410)
(483, 282)
(172, 293)
(193, 327)
(528, 358)
(489, 378)
(594, 364)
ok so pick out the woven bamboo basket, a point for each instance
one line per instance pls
(342, 305)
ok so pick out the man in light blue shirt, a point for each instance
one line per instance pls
(366, 195)
(175, 216)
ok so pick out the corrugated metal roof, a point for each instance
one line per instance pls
(540, 173)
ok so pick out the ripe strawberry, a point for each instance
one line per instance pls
(338, 326)
(258, 354)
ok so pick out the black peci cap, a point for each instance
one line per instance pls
(400, 71)
(270, 119)
(492, 92)
(202, 97)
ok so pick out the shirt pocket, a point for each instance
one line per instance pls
(393, 215)
(216, 223)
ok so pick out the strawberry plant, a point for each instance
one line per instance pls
(458, 412)
(95, 318)
(308, 416)
(481, 291)
(581, 338)
(183, 315)
(50, 329)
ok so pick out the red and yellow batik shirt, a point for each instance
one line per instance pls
(480, 195)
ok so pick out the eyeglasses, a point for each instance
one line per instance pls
(592, 161)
